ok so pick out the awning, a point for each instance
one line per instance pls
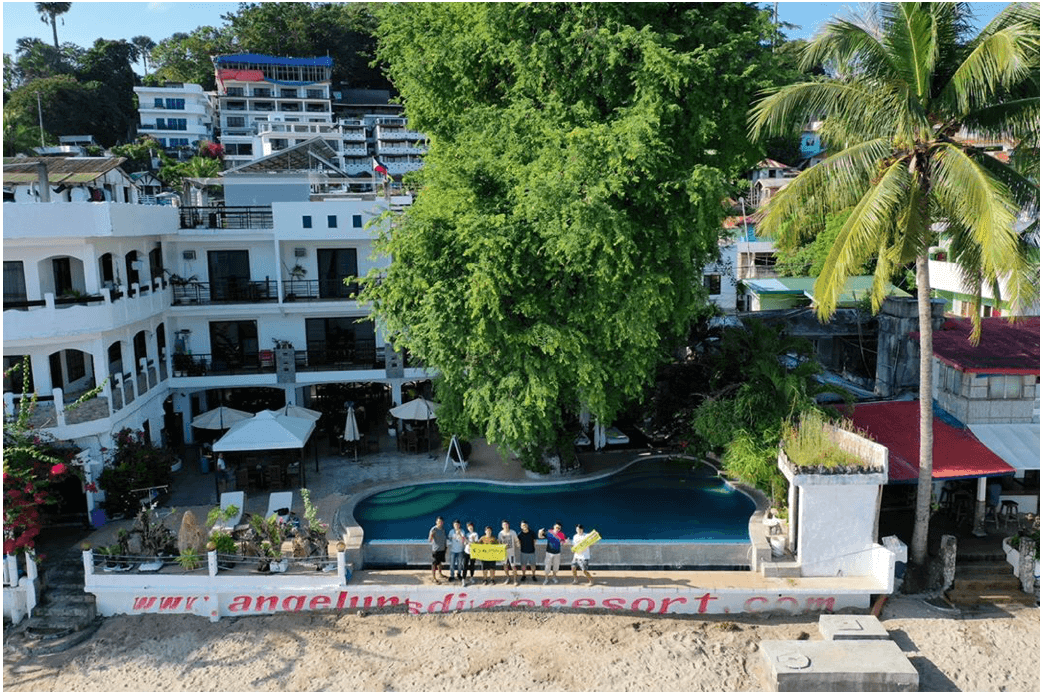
(956, 452)
(1016, 443)
(266, 431)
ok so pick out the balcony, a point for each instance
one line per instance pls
(228, 291)
(227, 218)
(62, 316)
(363, 354)
(311, 290)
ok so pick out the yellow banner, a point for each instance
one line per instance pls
(488, 552)
(591, 539)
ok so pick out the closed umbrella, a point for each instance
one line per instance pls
(220, 418)
(351, 433)
(417, 409)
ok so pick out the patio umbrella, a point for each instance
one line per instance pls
(417, 409)
(351, 433)
(220, 418)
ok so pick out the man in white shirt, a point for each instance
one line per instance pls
(509, 537)
(581, 559)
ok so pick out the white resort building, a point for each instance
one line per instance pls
(169, 309)
(177, 115)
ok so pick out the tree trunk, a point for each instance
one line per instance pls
(54, 28)
(924, 493)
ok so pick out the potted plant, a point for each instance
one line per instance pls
(298, 272)
(190, 559)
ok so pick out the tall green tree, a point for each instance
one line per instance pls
(143, 46)
(188, 57)
(110, 64)
(904, 84)
(49, 13)
(580, 155)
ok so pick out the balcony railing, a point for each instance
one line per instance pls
(227, 218)
(322, 289)
(226, 291)
(363, 354)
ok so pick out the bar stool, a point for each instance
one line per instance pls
(1008, 511)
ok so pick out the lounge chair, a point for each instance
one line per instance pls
(236, 498)
(279, 503)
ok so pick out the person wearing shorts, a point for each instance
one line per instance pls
(581, 560)
(526, 550)
(508, 537)
(488, 568)
(469, 561)
(552, 563)
(437, 539)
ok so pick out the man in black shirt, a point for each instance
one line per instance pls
(526, 540)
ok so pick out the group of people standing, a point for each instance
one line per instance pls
(458, 544)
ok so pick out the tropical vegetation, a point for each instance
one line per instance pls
(905, 91)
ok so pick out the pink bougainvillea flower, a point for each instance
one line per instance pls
(58, 469)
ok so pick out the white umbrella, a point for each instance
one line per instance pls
(220, 418)
(417, 409)
(351, 433)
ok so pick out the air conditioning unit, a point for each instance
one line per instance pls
(188, 255)
(300, 252)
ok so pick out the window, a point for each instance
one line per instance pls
(1004, 387)
(356, 221)
(161, 123)
(158, 103)
(288, 93)
(331, 221)
(175, 104)
(335, 265)
(951, 379)
(15, 381)
(235, 92)
(261, 92)
(316, 94)
(75, 365)
(307, 222)
(236, 121)
(62, 270)
(711, 282)
(14, 282)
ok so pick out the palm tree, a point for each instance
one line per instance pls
(49, 12)
(143, 46)
(902, 92)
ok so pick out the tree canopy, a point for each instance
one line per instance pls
(906, 96)
(579, 160)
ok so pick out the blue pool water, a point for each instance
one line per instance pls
(651, 500)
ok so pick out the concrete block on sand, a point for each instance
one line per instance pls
(851, 627)
(844, 665)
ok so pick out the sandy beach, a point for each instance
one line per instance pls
(993, 650)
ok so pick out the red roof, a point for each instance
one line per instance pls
(241, 75)
(956, 452)
(1009, 348)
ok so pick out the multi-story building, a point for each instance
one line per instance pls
(177, 115)
(166, 308)
(254, 90)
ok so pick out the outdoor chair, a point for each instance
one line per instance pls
(275, 476)
(279, 502)
(236, 498)
(411, 442)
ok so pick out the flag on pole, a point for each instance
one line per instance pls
(379, 167)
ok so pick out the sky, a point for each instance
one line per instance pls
(87, 21)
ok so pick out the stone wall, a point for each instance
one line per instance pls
(897, 360)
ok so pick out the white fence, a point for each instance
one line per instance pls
(20, 590)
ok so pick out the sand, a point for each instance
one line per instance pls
(996, 650)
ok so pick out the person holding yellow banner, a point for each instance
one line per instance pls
(488, 557)
(581, 558)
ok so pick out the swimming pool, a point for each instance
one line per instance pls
(652, 500)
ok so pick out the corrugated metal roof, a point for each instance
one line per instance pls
(956, 452)
(69, 170)
(1016, 443)
(1005, 347)
(857, 287)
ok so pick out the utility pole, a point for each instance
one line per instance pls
(39, 113)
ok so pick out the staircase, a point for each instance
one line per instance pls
(985, 578)
(66, 615)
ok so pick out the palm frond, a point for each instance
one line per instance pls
(1024, 190)
(997, 63)
(860, 237)
(976, 201)
(845, 102)
(911, 40)
(1013, 119)
(848, 44)
(836, 183)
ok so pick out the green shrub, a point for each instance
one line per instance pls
(137, 464)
